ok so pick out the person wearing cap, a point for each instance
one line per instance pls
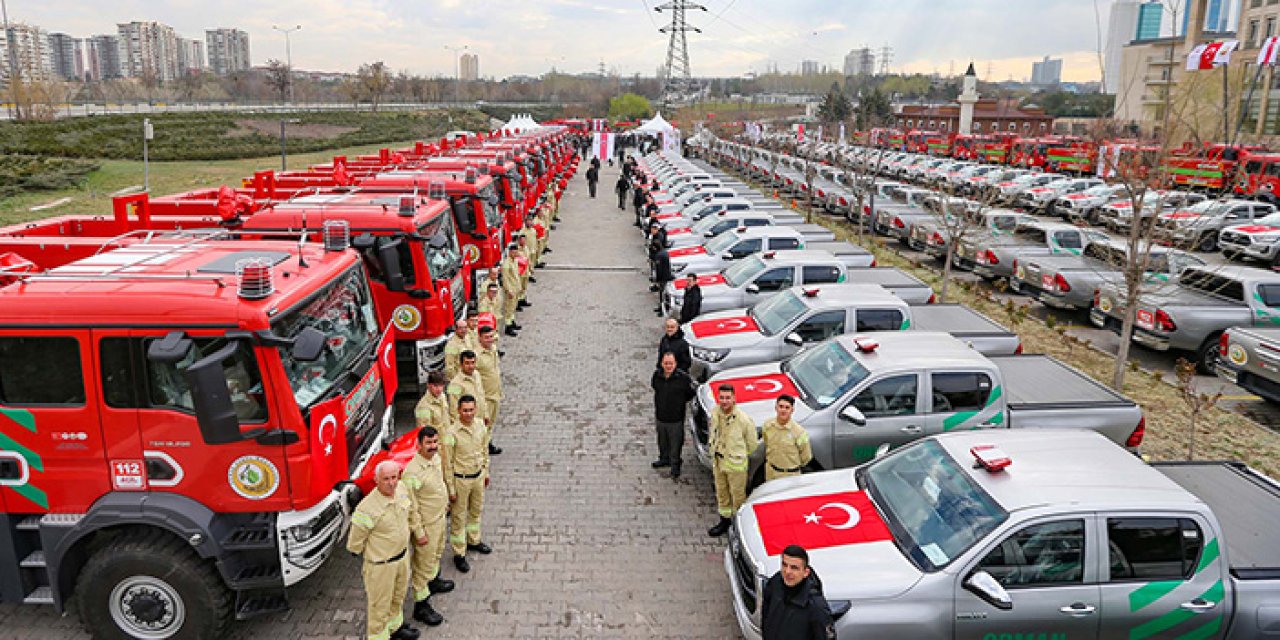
(511, 288)
(786, 443)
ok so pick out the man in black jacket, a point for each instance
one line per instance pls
(673, 342)
(794, 607)
(593, 176)
(672, 391)
(692, 305)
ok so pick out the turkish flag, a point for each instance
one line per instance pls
(522, 264)
(760, 387)
(679, 231)
(340, 176)
(686, 251)
(703, 281)
(328, 444)
(817, 522)
(723, 326)
(387, 364)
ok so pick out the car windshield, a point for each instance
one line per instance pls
(743, 271)
(1209, 207)
(776, 313)
(706, 224)
(825, 373)
(934, 509)
(440, 247)
(697, 211)
(722, 242)
(342, 311)
(1269, 220)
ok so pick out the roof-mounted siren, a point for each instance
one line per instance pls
(866, 344)
(255, 278)
(811, 293)
(990, 457)
(470, 175)
(435, 190)
(407, 207)
(337, 235)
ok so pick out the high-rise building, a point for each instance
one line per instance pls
(1120, 31)
(809, 67)
(102, 58)
(29, 47)
(148, 49)
(1150, 20)
(65, 56)
(1047, 72)
(860, 62)
(469, 67)
(228, 50)
(1217, 16)
(190, 56)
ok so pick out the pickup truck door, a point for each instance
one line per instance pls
(782, 244)
(964, 400)
(1266, 305)
(1163, 577)
(1044, 568)
(891, 406)
(770, 282)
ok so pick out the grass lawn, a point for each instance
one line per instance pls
(93, 197)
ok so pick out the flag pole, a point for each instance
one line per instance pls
(1248, 102)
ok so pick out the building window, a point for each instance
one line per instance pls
(1013, 126)
(1252, 41)
(1271, 27)
(1044, 126)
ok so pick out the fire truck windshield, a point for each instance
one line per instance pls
(513, 183)
(489, 200)
(444, 258)
(343, 311)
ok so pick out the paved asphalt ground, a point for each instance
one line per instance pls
(589, 541)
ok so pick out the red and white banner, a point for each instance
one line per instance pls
(1269, 54)
(799, 133)
(1213, 54)
(817, 522)
(387, 364)
(602, 145)
(759, 388)
(722, 326)
(329, 443)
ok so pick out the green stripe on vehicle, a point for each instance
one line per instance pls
(33, 494)
(22, 417)
(1209, 630)
(1197, 173)
(1148, 593)
(906, 324)
(1175, 617)
(1210, 554)
(32, 457)
(960, 418)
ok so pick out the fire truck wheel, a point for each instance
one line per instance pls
(151, 587)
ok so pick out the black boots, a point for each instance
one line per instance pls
(405, 632)
(440, 585)
(721, 528)
(422, 612)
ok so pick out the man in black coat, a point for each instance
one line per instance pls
(593, 176)
(673, 342)
(672, 391)
(661, 275)
(692, 305)
(621, 187)
(794, 607)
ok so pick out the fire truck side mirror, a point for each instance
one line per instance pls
(308, 345)
(389, 256)
(170, 349)
(211, 398)
(363, 241)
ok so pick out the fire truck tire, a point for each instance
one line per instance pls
(152, 586)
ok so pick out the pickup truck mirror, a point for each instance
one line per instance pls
(708, 234)
(981, 584)
(883, 449)
(211, 398)
(308, 345)
(794, 339)
(753, 288)
(854, 415)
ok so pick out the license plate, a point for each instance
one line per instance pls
(1046, 282)
(1145, 319)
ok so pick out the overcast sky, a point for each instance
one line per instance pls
(530, 36)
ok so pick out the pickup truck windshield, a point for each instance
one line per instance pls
(343, 311)
(440, 247)
(722, 242)
(743, 270)
(705, 224)
(778, 312)
(825, 373)
(935, 511)
(698, 211)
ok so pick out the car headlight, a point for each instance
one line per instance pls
(708, 354)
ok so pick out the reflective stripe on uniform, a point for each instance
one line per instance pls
(457, 537)
(471, 526)
(395, 622)
(362, 519)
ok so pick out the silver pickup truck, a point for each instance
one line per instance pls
(858, 394)
(714, 225)
(764, 274)
(721, 251)
(1051, 535)
(778, 326)
(992, 257)
(1069, 282)
(933, 237)
(1250, 358)
(1192, 315)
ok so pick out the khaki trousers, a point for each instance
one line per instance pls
(384, 586)
(731, 489)
(464, 516)
(493, 406)
(509, 308)
(426, 559)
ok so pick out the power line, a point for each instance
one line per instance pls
(717, 16)
(648, 13)
(679, 80)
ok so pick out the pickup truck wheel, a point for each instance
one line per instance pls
(1208, 242)
(1208, 355)
(151, 587)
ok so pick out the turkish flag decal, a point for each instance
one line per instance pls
(686, 251)
(703, 281)
(762, 388)
(328, 444)
(387, 364)
(723, 326)
(679, 231)
(817, 522)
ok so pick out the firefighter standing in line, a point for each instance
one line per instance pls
(525, 260)
(490, 369)
(786, 443)
(733, 439)
(433, 409)
(429, 496)
(467, 383)
(380, 534)
(490, 300)
(458, 342)
(511, 289)
(467, 453)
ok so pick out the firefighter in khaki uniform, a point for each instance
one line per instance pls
(511, 291)
(467, 475)
(786, 443)
(733, 439)
(491, 300)
(469, 383)
(529, 241)
(433, 409)
(429, 495)
(380, 533)
(458, 342)
(490, 369)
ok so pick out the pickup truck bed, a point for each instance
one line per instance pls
(1247, 505)
(853, 256)
(1040, 382)
(985, 334)
(902, 284)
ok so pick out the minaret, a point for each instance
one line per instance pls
(968, 98)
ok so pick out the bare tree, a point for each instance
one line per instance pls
(278, 76)
(374, 80)
(1197, 403)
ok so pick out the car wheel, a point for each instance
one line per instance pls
(1208, 355)
(1208, 242)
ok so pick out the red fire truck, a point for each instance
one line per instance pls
(1211, 167)
(182, 419)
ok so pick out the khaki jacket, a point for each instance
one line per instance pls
(786, 446)
(428, 492)
(380, 525)
(733, 438)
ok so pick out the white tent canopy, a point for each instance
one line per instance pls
(670, 135)
(521, 122)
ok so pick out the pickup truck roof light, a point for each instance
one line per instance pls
(990, 457)
(866, 344)
(811, 293)
(741, 229)
(769, 255)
